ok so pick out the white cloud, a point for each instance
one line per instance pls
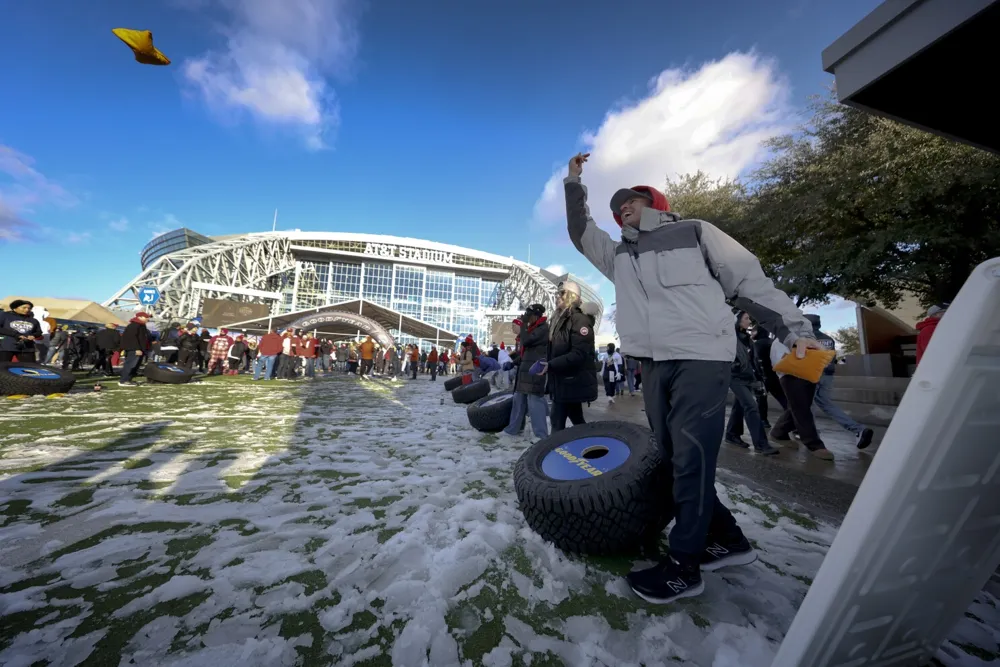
(119, 225)
(556, 269)
(166, 223)
(713, 119)
(276, 61)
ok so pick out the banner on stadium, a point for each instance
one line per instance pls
(217, 313)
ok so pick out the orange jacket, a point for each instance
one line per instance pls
(368, 350)
(432, 357)
(414, 354)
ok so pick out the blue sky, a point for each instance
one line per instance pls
(444, 120)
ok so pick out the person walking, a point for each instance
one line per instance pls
(742, 381)
(798, 415)
(673, 278)
(432, 362)
(135, 343)
(612, 373)
(107, 341)
(824, 392)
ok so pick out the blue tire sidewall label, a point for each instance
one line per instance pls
(34, 373)
(567, 462)
(493, 400)
(170, 367)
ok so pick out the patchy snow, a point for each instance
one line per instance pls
(342, 522)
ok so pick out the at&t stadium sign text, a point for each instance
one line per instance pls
(413, 254)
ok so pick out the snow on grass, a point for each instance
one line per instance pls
(341, 522)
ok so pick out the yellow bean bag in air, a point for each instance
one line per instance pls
(141, 43)
(808, 368)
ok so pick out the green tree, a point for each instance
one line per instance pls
(867, 208)
(847, 337)
(723, 202)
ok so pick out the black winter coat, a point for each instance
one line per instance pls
(13, 326)
(108, 340)
(572, 373)
(135, 338)
(190, 342)
(534, 347)
(743, 369)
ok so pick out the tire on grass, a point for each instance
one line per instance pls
(159, 371)
(601, 488)
(471, 392)
(491, 413)
(29, 379)
(453, 383)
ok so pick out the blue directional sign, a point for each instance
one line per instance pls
(148, 296)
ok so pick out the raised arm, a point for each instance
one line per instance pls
(593, 242)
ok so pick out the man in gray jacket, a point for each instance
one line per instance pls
(673, 278)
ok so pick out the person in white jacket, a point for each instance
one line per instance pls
(613, 373)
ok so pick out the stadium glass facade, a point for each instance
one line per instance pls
(172, 241)
(448, 299)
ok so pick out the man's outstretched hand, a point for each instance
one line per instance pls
(576, 164)
(803, 344)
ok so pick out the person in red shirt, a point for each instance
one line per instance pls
(308, 349)
(414, 361)
(432, 362)
(926, 327)
(267, 352)
(444, 361)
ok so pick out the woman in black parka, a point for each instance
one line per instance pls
(570, 369)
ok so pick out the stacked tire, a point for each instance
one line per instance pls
(31, 379)
(491, 413)
(601, 488)
(164, 373)
(472, 392)
(453, 383)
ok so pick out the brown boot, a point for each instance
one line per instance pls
(823, 454)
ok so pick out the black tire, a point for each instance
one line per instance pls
(162, 372)
(471, 392)
(28, 378)
(615, 511)
(453, 383)
(491, 413)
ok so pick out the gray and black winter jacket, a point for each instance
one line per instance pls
(672, 283)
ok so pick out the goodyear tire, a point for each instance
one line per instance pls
(471, 393)
(601, 488)
(159, 371)
(491, 413)
(30, 379)
(453, 383)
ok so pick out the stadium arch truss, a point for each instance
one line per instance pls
(258, 262)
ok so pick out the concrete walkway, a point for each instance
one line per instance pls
(824, 488)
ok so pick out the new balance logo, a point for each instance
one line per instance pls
(717, 550)
(677, 585)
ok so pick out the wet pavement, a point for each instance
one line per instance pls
(825, 488)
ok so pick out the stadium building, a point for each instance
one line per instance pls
(415, 290)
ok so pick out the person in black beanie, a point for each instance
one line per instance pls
(18, 332)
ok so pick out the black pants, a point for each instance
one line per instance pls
(560, 412)
(131, 366)
(798, 415)
(745, 408)
(686, 407)
(103, 364)
(187, 359)
(413, 370)
(610, 388)
(434, 372)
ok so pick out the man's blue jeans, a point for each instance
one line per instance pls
(745, 409)
(824, 401)
(266, 363)
(536, 409)
(310, 367)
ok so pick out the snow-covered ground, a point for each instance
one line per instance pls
(342, 522)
